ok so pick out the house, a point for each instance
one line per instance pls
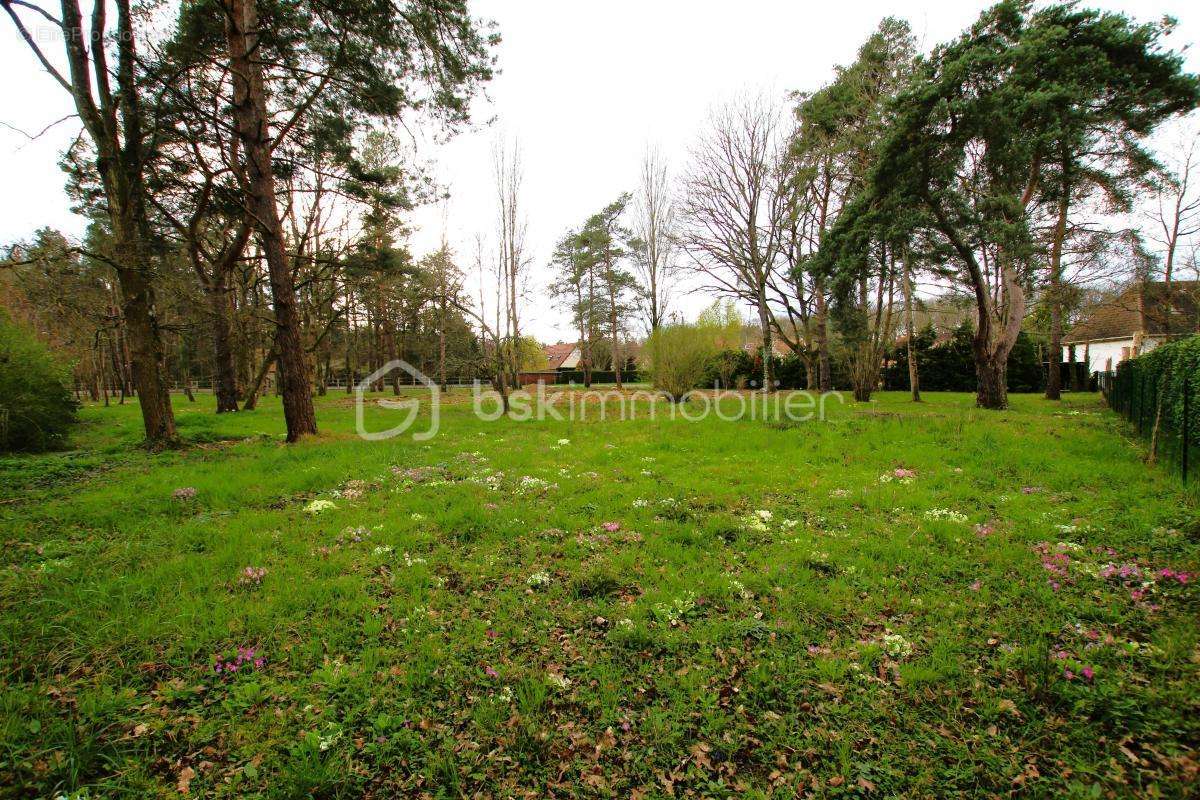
(1133, 322)
(562, 356)
(753, 346)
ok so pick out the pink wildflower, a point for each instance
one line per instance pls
(611, 527)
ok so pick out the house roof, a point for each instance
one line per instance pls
(1120, 317)
(778, 347)
(559, 355)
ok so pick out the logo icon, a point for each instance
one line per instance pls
(410, 404)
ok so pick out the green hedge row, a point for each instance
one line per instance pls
(949, 366)
(1150, 391)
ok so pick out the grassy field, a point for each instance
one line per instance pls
(898, 601)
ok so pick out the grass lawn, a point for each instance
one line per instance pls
(899, 601)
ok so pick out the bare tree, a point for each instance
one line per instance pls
(511, 242)
(491, 337)
(735, 208)
(1175, 213)
(654, 244)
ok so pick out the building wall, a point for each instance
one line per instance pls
(1118, 350)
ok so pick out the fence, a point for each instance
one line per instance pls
(1157, 392)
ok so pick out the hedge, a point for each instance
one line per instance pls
(1150, 391)
(950, 365)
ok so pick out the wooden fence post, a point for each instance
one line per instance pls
(1187, 417)
(1141, 412)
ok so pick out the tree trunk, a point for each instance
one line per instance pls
(821, 322)
(351, 343)
(225, 379)
(1054, 379)
(393, 351)
(250, 401)
(914, 379)
(768, 349)
(94, 385)
(323, 386)
(442, 343)
(616, 355)
(992, 374)
(251, 123)
(147, 357)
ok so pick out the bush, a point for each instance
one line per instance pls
(950, 366)
(36, 406)
(676, 358)
(729, 369)
(790, 372)
(1149, 390)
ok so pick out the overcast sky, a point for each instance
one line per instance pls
(584, 87)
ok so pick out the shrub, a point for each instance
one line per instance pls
(676, 357)
(36, 406)
(729, 369)
(949, 366)
(791, 373)
(1149, 390)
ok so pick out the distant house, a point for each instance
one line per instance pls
(778, 347)
(562, 357)
(1133, 322)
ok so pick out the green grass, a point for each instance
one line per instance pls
(452, 630)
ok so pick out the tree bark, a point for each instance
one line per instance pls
(1054, 379)
(250, 401)
(992, 374)
(225, 386)
(768, 346)
(147, 355)
(914, 378)
(251, 125)
(821, 322)
(442, 339)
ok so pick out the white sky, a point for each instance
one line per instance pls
(584, 88)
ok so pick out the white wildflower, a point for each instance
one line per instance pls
(317, 506)
(945, 514)
(896, 646)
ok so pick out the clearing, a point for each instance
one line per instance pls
(900, 600)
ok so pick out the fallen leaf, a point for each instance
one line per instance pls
(185, 779)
